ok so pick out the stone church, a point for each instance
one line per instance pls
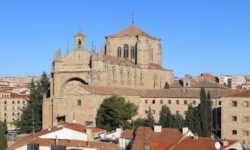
(131, 61)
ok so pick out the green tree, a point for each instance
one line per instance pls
(3, 140)
(166, 86)
(139, 123)
(166, 118)
(193, 120)
(31, 119)
(178, 121)
(209, 115)
(149, 122)
(205, 114)
(115, 111)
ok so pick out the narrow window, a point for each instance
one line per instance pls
(13, 114)
(169, 101)
(13, 102)
(125, 51)
(79, 102)
(185, 102)
(177, 102)
(132, 53)
(194, 102)
(153, 101)
(234, 132)
(146, 101)
(119, 52)
(161, 101)
(234, 118)
(79, 43)
(219, 102)
(5, 114)
(18, 102)
(234, 103)
(5, 102)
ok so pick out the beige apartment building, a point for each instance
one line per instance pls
(235, 117)
(10, 107)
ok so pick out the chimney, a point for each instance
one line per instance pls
(185, 130)
(225, 142)
(88, 126)
(157, 128)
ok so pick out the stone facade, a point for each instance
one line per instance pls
(10, 107)
(131, 59)
(235, 117)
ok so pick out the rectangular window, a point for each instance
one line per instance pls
(234, 103)
(153, 101)
(161, 101)
(245, 132)
(234, 118)
(234, 132)
(169, 101)
(185, 102)
(194, 102)
(146, 101)
(245, 119)
(245, 104)
(219, 102)
(177, 102)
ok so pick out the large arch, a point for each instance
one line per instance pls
(72, 85)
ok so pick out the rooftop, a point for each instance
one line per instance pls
(132, 31)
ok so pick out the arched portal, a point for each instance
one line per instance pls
(73, 86)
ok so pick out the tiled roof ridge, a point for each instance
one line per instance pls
(240, 94)
(132, 30)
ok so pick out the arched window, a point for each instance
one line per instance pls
(5, 102)
(18, 102)
(119, 52)
(79, 43)
(125, 51)
(132, 54)
(13, 102)
(79, 102)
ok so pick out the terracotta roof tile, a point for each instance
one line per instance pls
(158, 93)
(73, 126)
(119, 61)
(132, 31)
(128, 134)
(201, 143)
(240, 94)
(77, 143)
(160, 141)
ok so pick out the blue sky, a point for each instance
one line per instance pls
(197, 36)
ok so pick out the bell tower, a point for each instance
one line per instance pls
(80, 41)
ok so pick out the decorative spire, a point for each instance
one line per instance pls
(133, 18)
(67, 46)
(58, 55)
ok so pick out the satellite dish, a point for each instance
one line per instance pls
(217, 145)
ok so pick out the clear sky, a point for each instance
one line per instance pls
(197, 35)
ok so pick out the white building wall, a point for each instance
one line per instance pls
(66, 134)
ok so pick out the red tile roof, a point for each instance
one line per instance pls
(74, 126)
(240, 94)
(77, 143)
(190, 143)
(132, 31)
(15, 95)
(145, 136)
(158, 93)
(128, 134)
